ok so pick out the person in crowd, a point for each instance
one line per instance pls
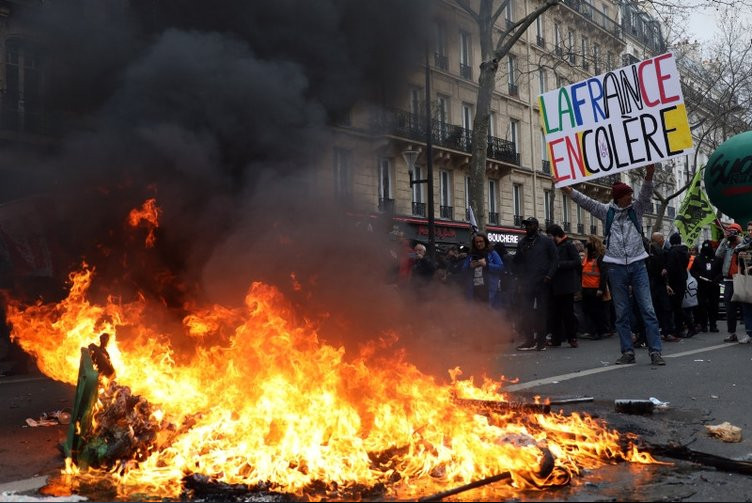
(579, 312)
(564, 284)
(535, 262)
(743, 255)
(594, 290)
(507, 280)
(659, 288)
(625, 255)
(484, 267)
(708, 290)
(677, 261)
(727, 268)
(423, 271)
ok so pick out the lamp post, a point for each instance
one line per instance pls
(411, 155)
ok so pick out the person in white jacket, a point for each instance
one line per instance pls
(625, 261)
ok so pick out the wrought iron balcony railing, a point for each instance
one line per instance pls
(386, 205)
(493, 217)
(513, 90)
(546, 166)
(593, 229)
(580, 228)
(518, 220)
(586, 10)
(466, 71)
(441, 61)
(567, 226)
(413, 127)
(548, 222)
(419, 209)
(446, 212)
(671, 211)
(540, 41)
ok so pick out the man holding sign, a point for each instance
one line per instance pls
(620, 120)
(625, 261)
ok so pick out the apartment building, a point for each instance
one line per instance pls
(369, 163)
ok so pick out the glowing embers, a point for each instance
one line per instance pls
(148, 216)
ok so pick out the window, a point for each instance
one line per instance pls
(512, 74)
(565, 208)
(467, 116)
(492, 124)
(609, 61)
(21, 102)
(418, 187)
(492, 191)
(514, 127)
(465, 66)
(547, 213)
(342, 174)
(570, 49)
(440, 58)
(415, 101)
(442, 106)
(579, 215)
(542, 80)
(385, 178)
(467, 195)
(539, 31)
(585, 53)
(509, 13)
(557, 39)
(596, 58)
(445, 194)
(517, 200)
(545, 164)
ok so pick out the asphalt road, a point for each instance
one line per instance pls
(705, 381)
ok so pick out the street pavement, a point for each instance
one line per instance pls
(705, 381)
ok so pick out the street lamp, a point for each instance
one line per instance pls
(410, 156)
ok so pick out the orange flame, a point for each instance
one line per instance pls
(148, 213)
(271, 403)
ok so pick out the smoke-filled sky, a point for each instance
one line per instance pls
(218, 110)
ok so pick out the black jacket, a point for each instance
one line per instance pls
(568, 277)
(677, 260)
(535, 259)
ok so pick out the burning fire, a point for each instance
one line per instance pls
(149, 214)
(261, 400)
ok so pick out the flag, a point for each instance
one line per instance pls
(473, 222)
(695, 211)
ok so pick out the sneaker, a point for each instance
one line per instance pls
(731, 338)
(528, 346)
(625, 359)
(540, 347)
(657, 359)
(671, 338)
(744, 339)
(573, 343)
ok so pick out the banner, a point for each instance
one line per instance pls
(616, 121)
(695, 211)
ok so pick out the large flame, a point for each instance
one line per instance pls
(261, 400)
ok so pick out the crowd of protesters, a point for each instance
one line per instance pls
(556, 289)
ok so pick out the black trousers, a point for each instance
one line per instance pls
(534, 312)
(595, 311)
(564, 322)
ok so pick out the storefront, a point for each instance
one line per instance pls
(457, 233)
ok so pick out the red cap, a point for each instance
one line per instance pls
(619, 190)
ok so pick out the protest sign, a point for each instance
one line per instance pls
(622, 119)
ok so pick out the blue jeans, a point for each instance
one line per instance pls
(620, 278)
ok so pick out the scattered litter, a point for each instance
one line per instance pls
(576, 399)
(713, 396)
(659, 405)
(699, 360)
(50, 419)
(725, 431)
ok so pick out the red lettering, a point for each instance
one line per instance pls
(555, 160)
(661, 77)
(644, 91)
(575, 154)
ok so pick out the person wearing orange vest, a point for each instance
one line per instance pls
(594, 289)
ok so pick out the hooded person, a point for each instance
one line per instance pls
(625, 259)
(536, 262)
(708, 289)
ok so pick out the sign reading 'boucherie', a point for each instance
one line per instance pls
(616, 121)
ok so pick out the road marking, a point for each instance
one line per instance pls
(18, 486)
(598, 370)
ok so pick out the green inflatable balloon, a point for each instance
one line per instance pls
(728, 177)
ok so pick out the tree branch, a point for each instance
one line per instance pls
(469, 10)
(495, 15)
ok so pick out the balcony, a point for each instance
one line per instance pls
(513, 90)
(567, 226)
(559, 51)
(493, 217)
(650, 209)
(607, 181)
(585, 65)
(441, 61)
(580, 228)
(446, 212)
(386, 205)
(518, 220)
(540, 41)
(594, 229)
(671, 211)
(548, 222)
(587, 11)
(419, 209)
(466, 71)
(413, 127)
(546, 166)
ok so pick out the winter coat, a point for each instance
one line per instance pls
(625, 241)
(677, 261)
(491, 274)
(536, 259)
(567, 278)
